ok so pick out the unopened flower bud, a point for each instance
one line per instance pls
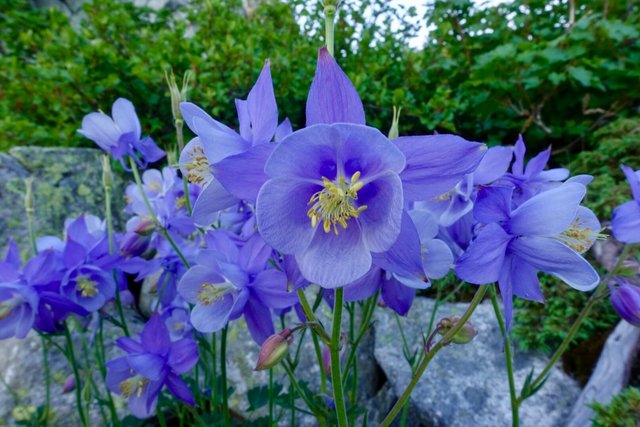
(326, 360)
(144, 226)
(274, 349)
(463, 336)
(69, 384)
(394, 132)
(28, 195)
(134, 244)
(625, 298)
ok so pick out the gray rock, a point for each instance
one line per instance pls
(67, 182)
(22, 383)
(466, 385)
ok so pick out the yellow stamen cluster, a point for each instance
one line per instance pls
(579, 237)
(86, 287)
(333, 204)
(198, 167)
(134, 385)
(210, 293)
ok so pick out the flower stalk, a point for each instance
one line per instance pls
(477, 298)
(336, 375)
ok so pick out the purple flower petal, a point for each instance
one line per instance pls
(191, 111)
(526, 284)
(179, 388)
(335, 260)
(537, 164)
(242, 174)
(285, 225)
(381, 220)
(258, 318)
(124, 115)
(270, 286)
(218, 144)
(483, 260)
(118, 370)
(143, 404)
(437, 258)
(547, 213)
(625, 222)
(634, 181)
(283, 130)
(213, 198)
(519, 152)
(262, 108)
(254, 255)
(493, 204)
(99, 128)
(397, 296)
(212, 317)
(129, 345)
(155, 336)
(553, 257)
(493, 165)
(148, 365)
(436, 163)
(505, 283)
(332, 97)
(364, 287)
(183, 355)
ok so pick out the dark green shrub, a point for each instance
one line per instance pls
(623, 411)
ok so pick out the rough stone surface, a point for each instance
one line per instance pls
(466, 385)
(67, 182)
(22, 385)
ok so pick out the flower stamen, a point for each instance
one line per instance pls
(86, 287)
(333, 205)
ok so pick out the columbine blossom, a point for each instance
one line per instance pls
(547, 232)
(226, 164)
(150, 364)
(231, 279)
(337, 189)
(120, 134)
(625, 222)
(625, 298)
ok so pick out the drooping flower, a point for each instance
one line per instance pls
(547, 232)
(231, 279)
(625, 222)
(120, 134)
(150, 364)
(625, 298)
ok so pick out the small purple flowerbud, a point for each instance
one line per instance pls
(274, 349)
(625, 298)
(326, 360)
(134, 244)
(145, 226)
(69, 384)
(465, 335)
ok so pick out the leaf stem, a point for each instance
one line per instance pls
(336, 376)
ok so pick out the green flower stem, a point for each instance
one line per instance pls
(47, 381)
(336, 376)
(76, 373)
(163, 231)
(581, 317)
(223, 373)
(270, 396)
(370, 307)
(214, 372)
(477, 298)
(178, 122)
(308, 312)
(294, 383)
(515, 403)
(329, 17)
(101, 359)
(106, 182)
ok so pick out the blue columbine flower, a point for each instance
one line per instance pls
(226, 164)
(625, 298)
(231, 279)
(625, 222)
(547, 232)
(149, 365)
(120, 134)
(337, 189)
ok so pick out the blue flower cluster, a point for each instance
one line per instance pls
(336, 204)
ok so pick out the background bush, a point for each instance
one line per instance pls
(486, 73)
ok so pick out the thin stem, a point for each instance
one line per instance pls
(163, 231)
(214, 373)
(515, 403)
(47, 380)
(477, 298)
(100, 357)
(270, 396)
(296, 386)
(336, 376)
(76, 373)
(371, 306)
(576, 325)
(223, 373)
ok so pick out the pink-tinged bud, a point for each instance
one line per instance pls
(625, 298)
(274, 349)
(326, 360)
(69, 384)
(145, 226)
(465, 335)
